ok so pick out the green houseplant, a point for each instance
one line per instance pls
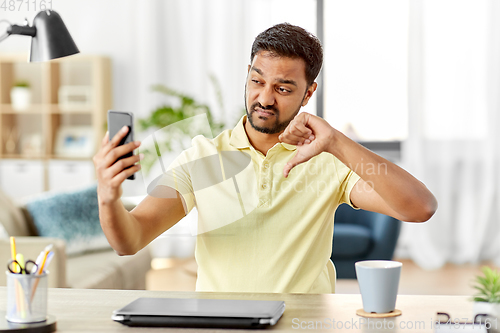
(182, 108)
(24, 84)
(167, 114)
(487, 298)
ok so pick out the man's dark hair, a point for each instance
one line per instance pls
(287, 40)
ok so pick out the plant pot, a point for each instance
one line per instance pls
(20, 98)
(492, 309)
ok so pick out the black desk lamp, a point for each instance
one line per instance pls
(50, 37)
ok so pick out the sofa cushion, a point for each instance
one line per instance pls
(350, 240)
(11, 218)
(107, 270)
(72, 216)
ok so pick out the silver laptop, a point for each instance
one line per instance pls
(182, 312)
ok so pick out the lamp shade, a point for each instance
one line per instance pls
(52, 39)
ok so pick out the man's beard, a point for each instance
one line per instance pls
(275, 128)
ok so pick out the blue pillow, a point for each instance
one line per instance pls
(72, 216)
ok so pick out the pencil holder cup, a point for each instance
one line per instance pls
(26, 298)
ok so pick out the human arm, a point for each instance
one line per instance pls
(128, 232)
(384, 187)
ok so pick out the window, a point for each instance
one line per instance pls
(365, 68)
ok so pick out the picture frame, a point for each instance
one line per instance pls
(75, 98)
(74, 141)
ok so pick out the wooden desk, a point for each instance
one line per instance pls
(78, 310)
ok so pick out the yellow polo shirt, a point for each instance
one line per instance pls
(258, 231)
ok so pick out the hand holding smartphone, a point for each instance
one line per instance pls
(116, 121)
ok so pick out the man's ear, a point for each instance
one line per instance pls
(310, 91)
(248, 70)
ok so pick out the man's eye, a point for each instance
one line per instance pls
(256, 81)
(283, 90)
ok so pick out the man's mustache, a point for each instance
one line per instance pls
(269, 107)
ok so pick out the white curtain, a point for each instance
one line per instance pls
(454, 125)
(181, 43)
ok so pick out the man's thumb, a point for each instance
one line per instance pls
(289, 166)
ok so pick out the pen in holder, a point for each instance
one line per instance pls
(26, 297)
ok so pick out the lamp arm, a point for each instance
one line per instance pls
(24, 30)
(6, 34)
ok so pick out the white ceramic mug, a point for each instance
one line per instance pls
(378, 282)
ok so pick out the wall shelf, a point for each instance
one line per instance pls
(34, 134)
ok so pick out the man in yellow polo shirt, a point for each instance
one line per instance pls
(266, 191)
(257, 230)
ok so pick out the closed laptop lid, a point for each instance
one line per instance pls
(202, 308)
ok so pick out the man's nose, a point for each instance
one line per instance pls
(266, 96)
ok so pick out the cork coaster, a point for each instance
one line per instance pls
(362, 313)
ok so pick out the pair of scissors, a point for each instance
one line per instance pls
(15, 268)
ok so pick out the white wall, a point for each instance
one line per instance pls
(98, 27)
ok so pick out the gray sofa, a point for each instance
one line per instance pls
(99, 268)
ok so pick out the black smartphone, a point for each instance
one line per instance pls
(116, 120)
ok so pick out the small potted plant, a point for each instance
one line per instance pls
(20, 96)
(487, 299)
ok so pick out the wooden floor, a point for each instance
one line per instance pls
(180, 274)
